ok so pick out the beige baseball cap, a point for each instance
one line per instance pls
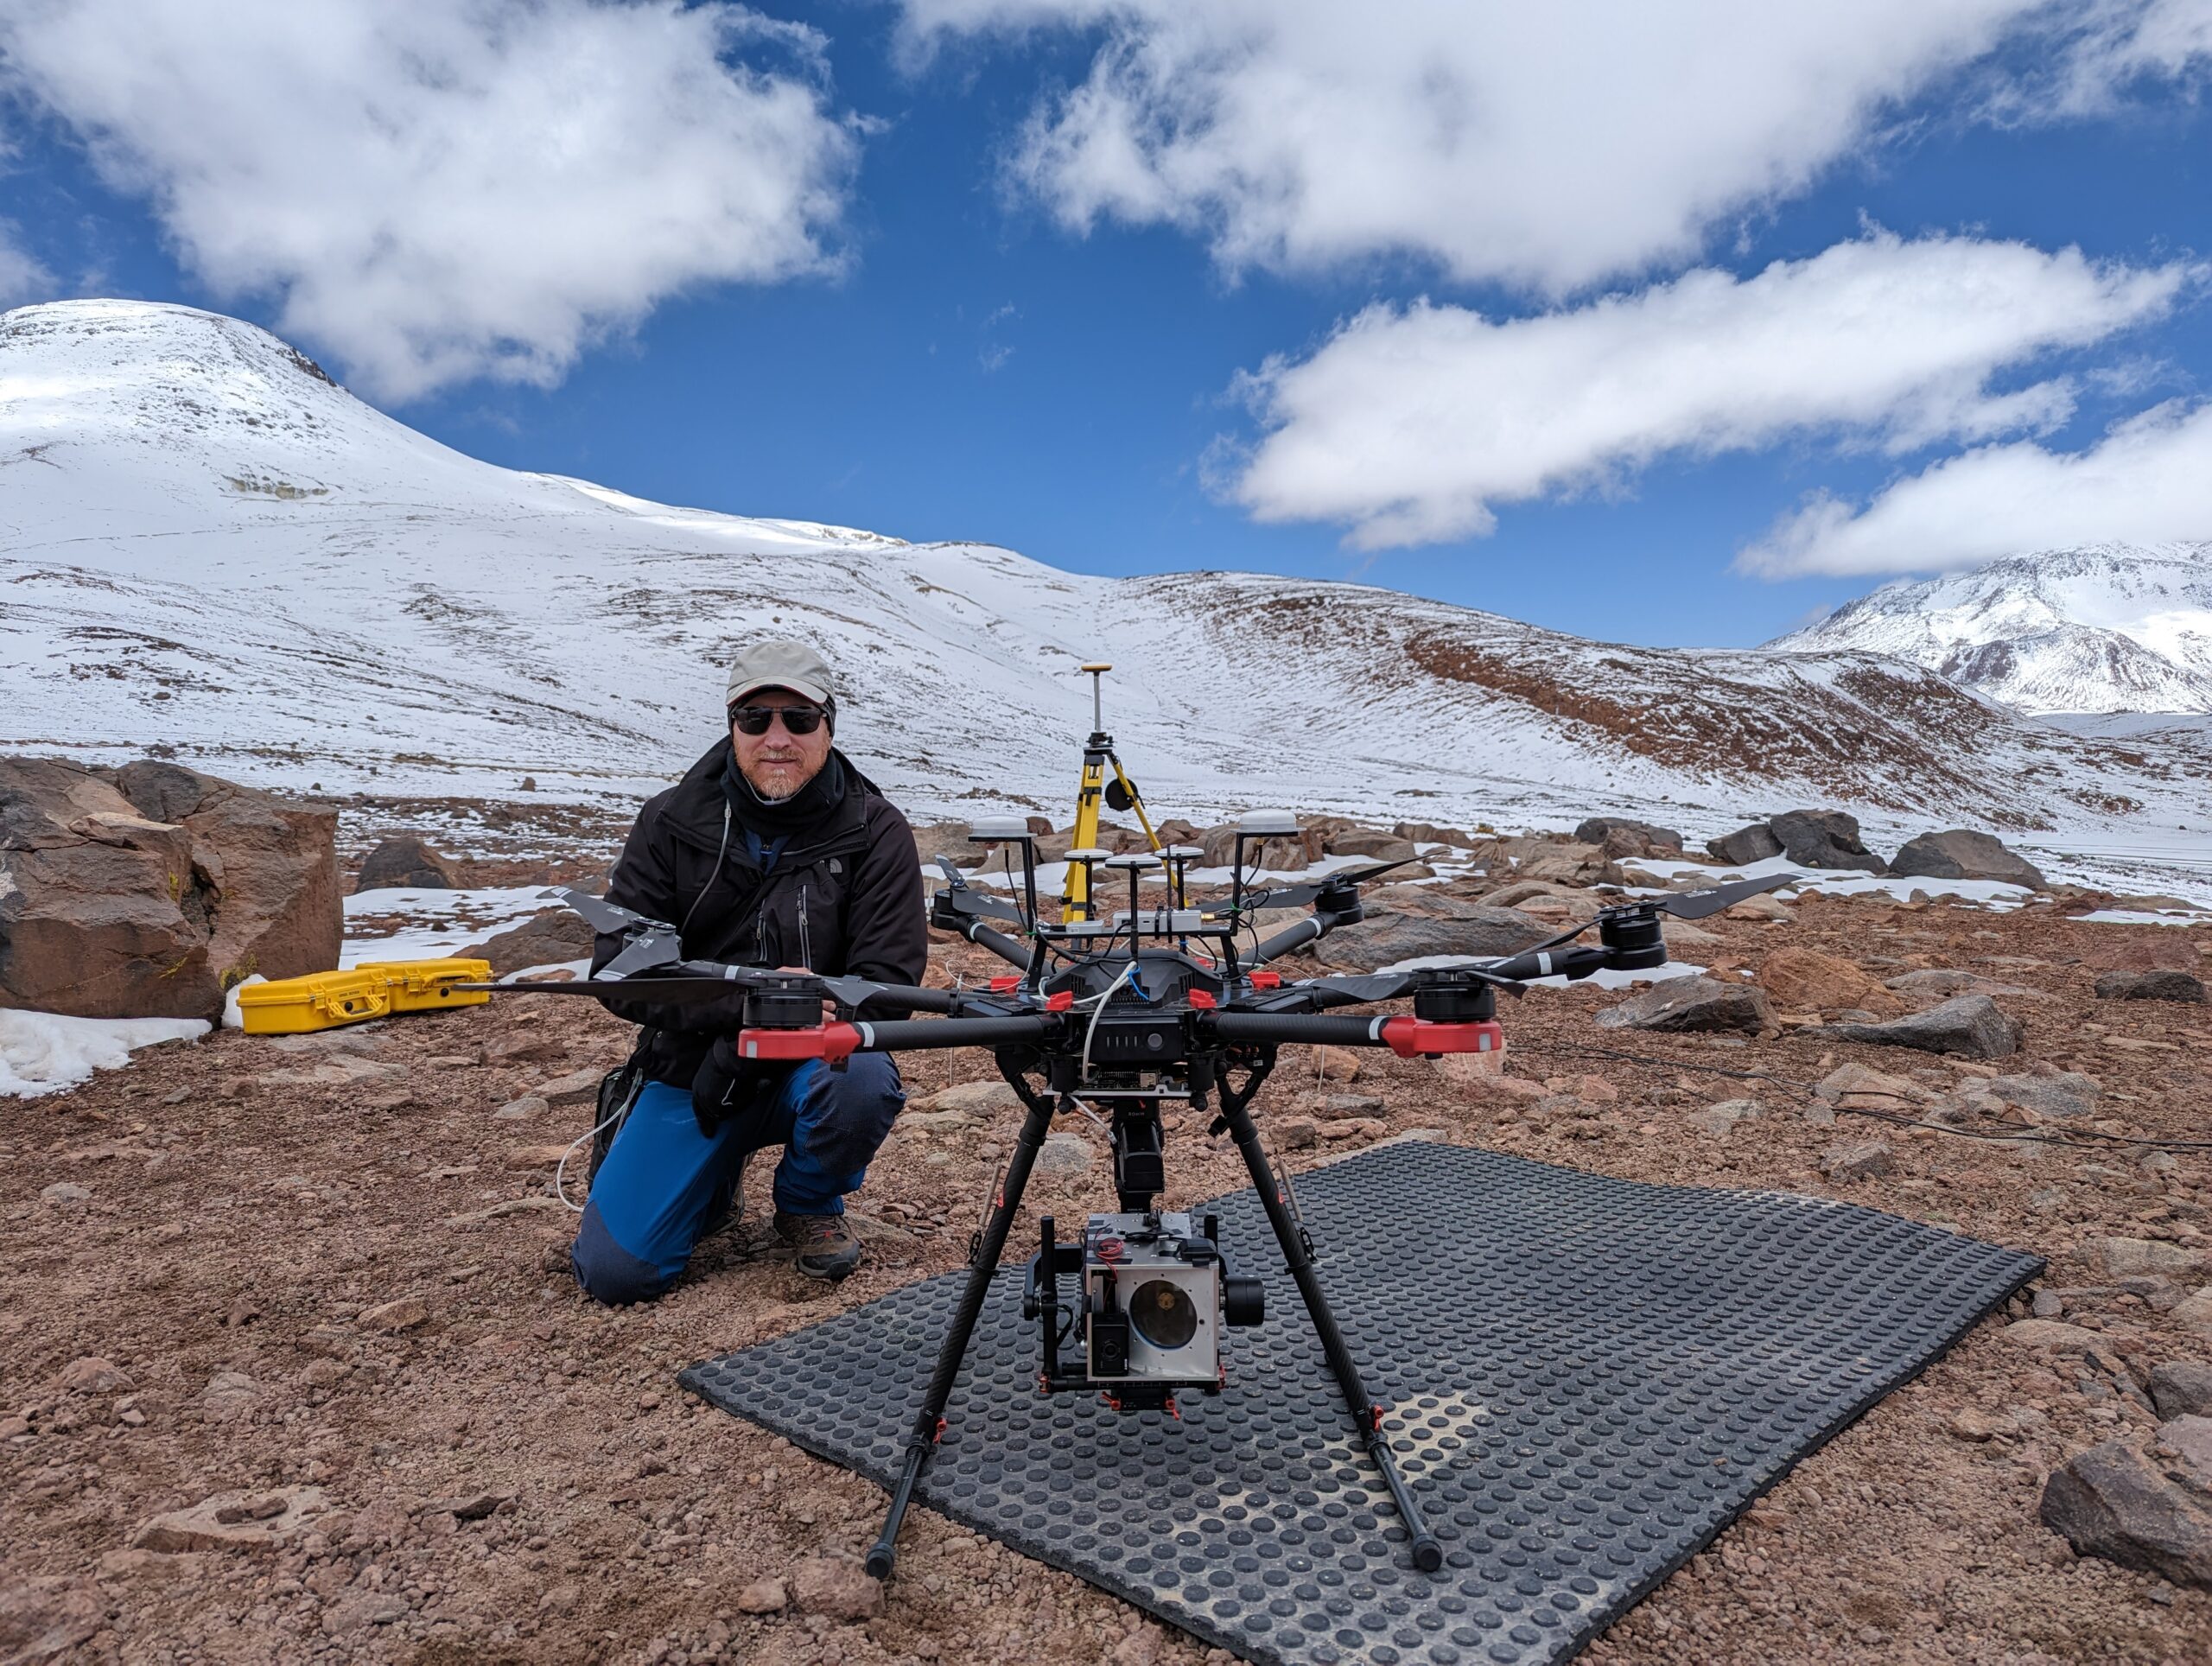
(774, 664)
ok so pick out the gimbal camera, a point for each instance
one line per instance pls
(1116, 1017)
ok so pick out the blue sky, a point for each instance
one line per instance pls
(944, 351)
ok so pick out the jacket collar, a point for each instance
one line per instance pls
(694, 812)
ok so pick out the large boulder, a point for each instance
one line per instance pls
(1681, 1004)
(1370, 842)
(406, 863)
(1471, 929)
(1824, 838)
(556, 936)
(143, 893)
(1963, 854)
(1745, 845)
(1593, 831)
(1970, 1027)
(271, 867)
(2150, 986)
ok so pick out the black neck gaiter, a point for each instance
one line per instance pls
(803, 815)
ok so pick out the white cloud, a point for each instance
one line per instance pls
(1410, 423)
(1550, 145)
(2149, 480)
(441, 189)
(21, 277)
(2118, 45)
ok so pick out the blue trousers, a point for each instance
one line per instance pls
(664, 1184)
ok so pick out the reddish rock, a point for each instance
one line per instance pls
(251, 1521)
(271, 867)
(837, 1587)
(1804, 980)
(143, 892)
(45, 1619)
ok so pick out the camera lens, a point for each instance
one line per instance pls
(1163, 1314)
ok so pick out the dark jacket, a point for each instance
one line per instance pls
(846, 899)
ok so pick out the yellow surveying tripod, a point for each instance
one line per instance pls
(1120, 794)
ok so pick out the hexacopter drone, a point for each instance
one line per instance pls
(1154, 1005)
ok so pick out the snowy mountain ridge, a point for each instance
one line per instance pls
(207, 546)
(2100, 628)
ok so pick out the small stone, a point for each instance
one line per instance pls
(2047, 1305)
(1064, 1155)
(763, 1597)
(538, 1156)
(2196, 1312)
(559, 1598)
(1971, 1423)
(1867, 1160)
(1332, 1064)
(89, 1374)
(1353, 1128)
(362, 1610)
(473, 1507)
(1341, 1104)
(1722, 1119)
(578, 1087)
(978, 1100)
(229, 1395)
(2050, 1336)
(528, 1107)
(391, 1316)
(2119, 1258)
(1293, 1133)
(2182, 1387)
(43, 1619)
(837, 1587)
(65, 1191)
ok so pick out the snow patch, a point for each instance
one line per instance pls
(46, 1052)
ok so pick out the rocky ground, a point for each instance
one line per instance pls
(291, 1367)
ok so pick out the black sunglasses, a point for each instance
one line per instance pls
(755, 720)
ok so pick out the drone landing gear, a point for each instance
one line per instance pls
(1297, 1251)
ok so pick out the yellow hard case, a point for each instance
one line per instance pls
(375, 989)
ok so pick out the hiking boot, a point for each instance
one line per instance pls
(826, 1246)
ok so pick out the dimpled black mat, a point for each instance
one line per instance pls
(1589, 1379)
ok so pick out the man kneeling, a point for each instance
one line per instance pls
(774, 851)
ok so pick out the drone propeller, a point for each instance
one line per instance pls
(1696, 905)
(1297, 896)
(964, 899)
(643, 954)
(610, 918)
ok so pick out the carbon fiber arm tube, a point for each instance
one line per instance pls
(1291, 937)
(1300, 1027)
(1561, 963)
(905, 1034)
(997, 942)
(916, 999)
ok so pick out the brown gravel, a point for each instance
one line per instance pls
(359, 1289)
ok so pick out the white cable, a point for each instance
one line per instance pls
(561, 1168)
(1098, 1012)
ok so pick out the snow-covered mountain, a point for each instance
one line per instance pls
(207, 545)
(2109, 628)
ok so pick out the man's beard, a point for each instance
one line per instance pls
(774, 780)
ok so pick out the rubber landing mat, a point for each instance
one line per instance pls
(1588, 1378)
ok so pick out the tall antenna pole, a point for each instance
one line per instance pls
(1097, 671)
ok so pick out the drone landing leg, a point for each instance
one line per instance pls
(1428, 1554)
(929, 1422)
